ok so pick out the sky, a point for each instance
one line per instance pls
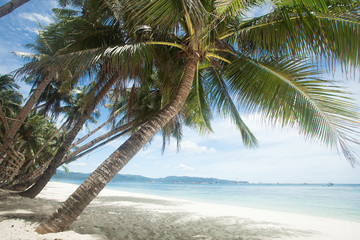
(283, 156)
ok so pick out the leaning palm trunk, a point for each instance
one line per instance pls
(24, 181)
(11, 6)
(86, 192)
(95, 141)
(21, 183)
(50, 171)
(30, 161)
(90, 133)
(65, 146)
(7, 154)
(87, 151)
(15, 126)
(10, 168)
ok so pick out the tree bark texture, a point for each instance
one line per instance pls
(22, 186)
(56, 161)
(30, 161)
(15, 126)
(89, 134)
(9, 137)
(34, 190)
(27, 179)
(11, 6)
(67, 161)
(67, 213)
(95, 141)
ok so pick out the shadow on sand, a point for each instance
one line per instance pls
(142, 218)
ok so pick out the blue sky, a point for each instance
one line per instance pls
(282, 156)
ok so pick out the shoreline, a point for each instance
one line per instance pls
(283, 200)
(125, 215)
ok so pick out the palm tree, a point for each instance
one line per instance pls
(36, 137)
(10, 104)
(41, 75)
(95, 97)
(10, 98)
(222, 55)
(80, 40)
(53, 39)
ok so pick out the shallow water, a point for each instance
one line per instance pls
(340, 201)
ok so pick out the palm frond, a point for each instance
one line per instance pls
(313, 5)
(28, 56)
(330, 36)
(127, 58)
(160, 12)
(233, 8)
(197, 110)
(289, 92)
(172, 129)
(65, 13)
(75, 3)
(222, 101)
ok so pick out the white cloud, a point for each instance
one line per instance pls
(191, 147)
(36, 17)
(186, 168)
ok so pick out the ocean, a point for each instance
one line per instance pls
(341, 201)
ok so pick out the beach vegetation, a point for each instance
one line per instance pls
(37, 138)
(176, 62)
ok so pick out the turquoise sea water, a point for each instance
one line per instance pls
(340, 201)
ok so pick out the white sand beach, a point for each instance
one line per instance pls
(123, 215)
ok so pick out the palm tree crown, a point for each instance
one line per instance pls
(207, 55)
(261, 64)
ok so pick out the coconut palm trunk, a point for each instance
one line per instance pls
(26, 180)
(25, 183)
(16, 123)
(34, 190)
(15, 126)
(87, 151)
(69, 210)
(11, 6)
(57, 160)
(95, 141)
(90, 133)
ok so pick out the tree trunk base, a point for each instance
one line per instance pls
(69, 210)
(44, 229)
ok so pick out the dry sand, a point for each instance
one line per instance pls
(123, 215)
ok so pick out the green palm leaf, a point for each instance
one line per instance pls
(222, 101)
(316, 5)
(234, 7)
(288, 91)
(160, 12)
(329, 36)
(197, 110)
(128, 58)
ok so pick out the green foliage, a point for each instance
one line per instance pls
(259, 64)
(10, 98)
(288, 91)
(34, 134)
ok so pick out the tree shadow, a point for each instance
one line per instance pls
(141, 218)
(137, 200)
(32, 210)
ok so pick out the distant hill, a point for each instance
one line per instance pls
(137, 178)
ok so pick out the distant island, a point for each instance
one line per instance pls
(137, 178)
